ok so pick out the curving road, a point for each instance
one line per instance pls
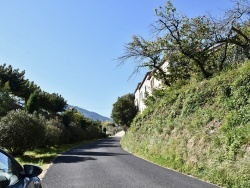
(103, 164)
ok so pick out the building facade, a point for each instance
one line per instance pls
(146, 87)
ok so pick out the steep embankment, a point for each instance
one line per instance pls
(201, 129)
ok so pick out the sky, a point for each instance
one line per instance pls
(70, 47)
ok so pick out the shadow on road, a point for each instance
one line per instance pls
(83, 153)
(92, 153)
(71, 159)
(109, 142)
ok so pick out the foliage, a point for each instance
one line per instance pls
(146, 54)
(52, 103)
(110, 129)
(80, 127)
(81, 120)
(186, 40)
(234, 27)
(30, 87)
(7, 102)
(33, 103)
(94, 132)
(54, 131)
(124, 110)
(67, 117)
(201, 128)
(197, 47)
(15, 79)
(45, 155)
(24, 89)
(72, 115)
(77, 134)
(21, 131)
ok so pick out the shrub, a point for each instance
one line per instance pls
(56, 133)
(53, 132)
(93, 132)
(65, 136)
(77, 134)
(21, 131)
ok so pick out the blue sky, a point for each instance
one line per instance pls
(70, 47)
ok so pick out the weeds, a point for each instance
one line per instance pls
(202, 129)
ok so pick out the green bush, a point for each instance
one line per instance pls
(21, 131)
(93, 132)
(65, 136)
(77, 134)
(54, 132)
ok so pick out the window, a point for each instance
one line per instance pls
(8, 171)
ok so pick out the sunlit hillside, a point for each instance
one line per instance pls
(201, 129)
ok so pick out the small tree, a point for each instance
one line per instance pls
(124, 110)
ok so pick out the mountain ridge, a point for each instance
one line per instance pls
(91, 115)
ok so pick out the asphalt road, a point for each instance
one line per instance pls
(104, 164)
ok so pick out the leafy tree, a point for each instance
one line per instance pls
(19, 86)
(199, 46)
(189, 41)
(73, 116)
(30, 87)
(146, 54)
(33, 103)
(52, 103)
(15, 79)
(185, 43)
(67, 117)
(80, 120)
(234, 27)
(124, 110)
(7, 102)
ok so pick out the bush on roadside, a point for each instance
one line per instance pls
(65, 136)
(93, 132)
(53, 132)
(77, 134)
(21, 131)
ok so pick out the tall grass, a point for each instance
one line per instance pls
(202, 129)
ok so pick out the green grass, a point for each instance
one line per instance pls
(44, 156)
(201, 129)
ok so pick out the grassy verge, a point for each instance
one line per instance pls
(44, 156)
(201, 129)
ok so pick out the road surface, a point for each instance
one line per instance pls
(104, 164)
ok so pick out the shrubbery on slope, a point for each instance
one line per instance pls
(202, 129)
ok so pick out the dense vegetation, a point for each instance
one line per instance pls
(199, 124)
(202, 128)
(32, 118)
(124, 110)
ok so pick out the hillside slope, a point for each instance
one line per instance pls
(91, 115)
(201, 129)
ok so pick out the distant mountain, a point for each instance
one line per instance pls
(91, 115)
